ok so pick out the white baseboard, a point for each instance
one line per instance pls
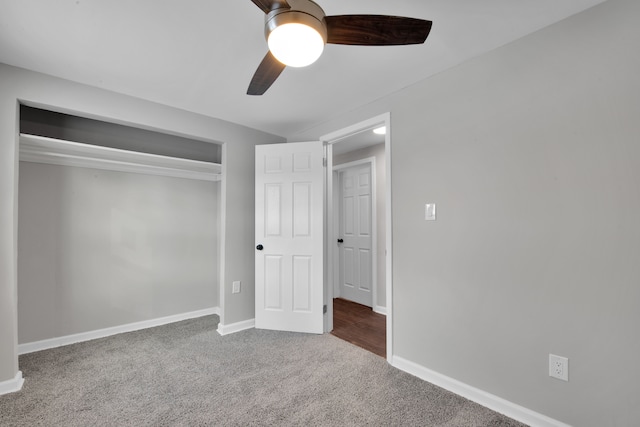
(498, 404)
(13, 385)
(101, 333)
(380, 309)
(236, 327)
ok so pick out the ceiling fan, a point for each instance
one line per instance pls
(297, 30)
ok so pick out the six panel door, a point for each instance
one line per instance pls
(289, 237)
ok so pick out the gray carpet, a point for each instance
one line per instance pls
(185, 374)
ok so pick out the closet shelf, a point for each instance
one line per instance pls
(40, 149)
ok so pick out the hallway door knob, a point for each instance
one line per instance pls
(259, 247)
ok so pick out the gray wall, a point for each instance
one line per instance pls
(65, 96)
(99, 248)
(532, 155)
(376, 151)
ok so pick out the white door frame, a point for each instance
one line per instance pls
(335, 138)
(371, 161)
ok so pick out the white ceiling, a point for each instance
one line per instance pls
(199, 55)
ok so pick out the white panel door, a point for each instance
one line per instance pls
(355, 241)
(289, 237)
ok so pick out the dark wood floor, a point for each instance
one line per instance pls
(360, 325)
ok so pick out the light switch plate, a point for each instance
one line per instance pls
(236, 287)
(430, 212)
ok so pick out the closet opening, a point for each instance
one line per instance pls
(118, 228)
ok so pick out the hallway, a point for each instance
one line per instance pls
(360, 325)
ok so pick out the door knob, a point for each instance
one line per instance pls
(340, 241)
(259, 247)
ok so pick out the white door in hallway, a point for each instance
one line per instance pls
(289, 237)
(355, 238)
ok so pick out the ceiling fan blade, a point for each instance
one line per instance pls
(269, 5)
(376, 30)
(267, 73)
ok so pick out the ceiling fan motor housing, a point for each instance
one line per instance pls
(304, 12)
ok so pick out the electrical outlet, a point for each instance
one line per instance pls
(236, 287)
(559, 367)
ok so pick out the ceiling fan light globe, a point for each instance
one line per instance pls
(295, 44)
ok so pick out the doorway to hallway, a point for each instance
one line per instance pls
(347, 147)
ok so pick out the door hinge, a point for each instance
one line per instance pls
(324, 162)
(324, 309)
